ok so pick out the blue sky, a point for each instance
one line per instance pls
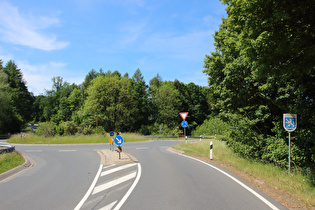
(69, 38)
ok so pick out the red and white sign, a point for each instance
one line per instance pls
(183, 115)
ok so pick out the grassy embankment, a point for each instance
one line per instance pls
(10, 160)
(31, 138)
(279, 183)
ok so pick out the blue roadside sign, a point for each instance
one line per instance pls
(111, 133)
(184, 124)
(119, 140)
(289, 122)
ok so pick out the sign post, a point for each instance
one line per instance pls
(111, 141)
(118, 141)
(211, 147)
(184, 123)
(289, 124)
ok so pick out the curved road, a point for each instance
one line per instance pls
(63, 174)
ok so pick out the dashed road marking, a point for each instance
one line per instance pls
(142, 147)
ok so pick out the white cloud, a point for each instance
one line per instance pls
(25, 29)
(38, 77)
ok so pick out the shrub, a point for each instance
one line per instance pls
(276, 152)
(99, 130)
(60, 130)
(46, 129)
(88, 130)
(69, 127)
(212, 126)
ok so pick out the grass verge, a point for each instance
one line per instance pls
(292, 190)
(9, 161)
(31, 138)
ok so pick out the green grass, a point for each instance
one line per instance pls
(31, 138)
(295, 183)
(10, 160)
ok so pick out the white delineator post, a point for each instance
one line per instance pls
(211, 147)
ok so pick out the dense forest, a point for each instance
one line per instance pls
(262, 67)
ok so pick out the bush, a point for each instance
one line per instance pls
(276, 152)
(87, 130)
(212, 126)
(69, 127)
(99, 130)
(46, 129)
(60, 130)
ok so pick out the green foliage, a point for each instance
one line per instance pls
(15, 100)
(212, 126)
(168, 102)
(46, 129)
(276, 152)
(10, 120)
(69, 127)
(99, 130)
(88, 130)
(243, 137)
(60, 130)
(9, 161)
(110, 103)
(263, 67)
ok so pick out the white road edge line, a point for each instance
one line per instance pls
(142, 147)
(123, 200)
(80, 204)
(109, 206)
(237, 181)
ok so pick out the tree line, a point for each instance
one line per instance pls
(105, 99)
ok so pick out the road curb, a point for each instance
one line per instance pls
(109, 157)
(8, 175)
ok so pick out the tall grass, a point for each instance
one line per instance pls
(296, 184)
(31, 138)
(10, 160)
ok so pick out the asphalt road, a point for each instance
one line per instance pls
(59, 179)
(171, 181)
(63, 174)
